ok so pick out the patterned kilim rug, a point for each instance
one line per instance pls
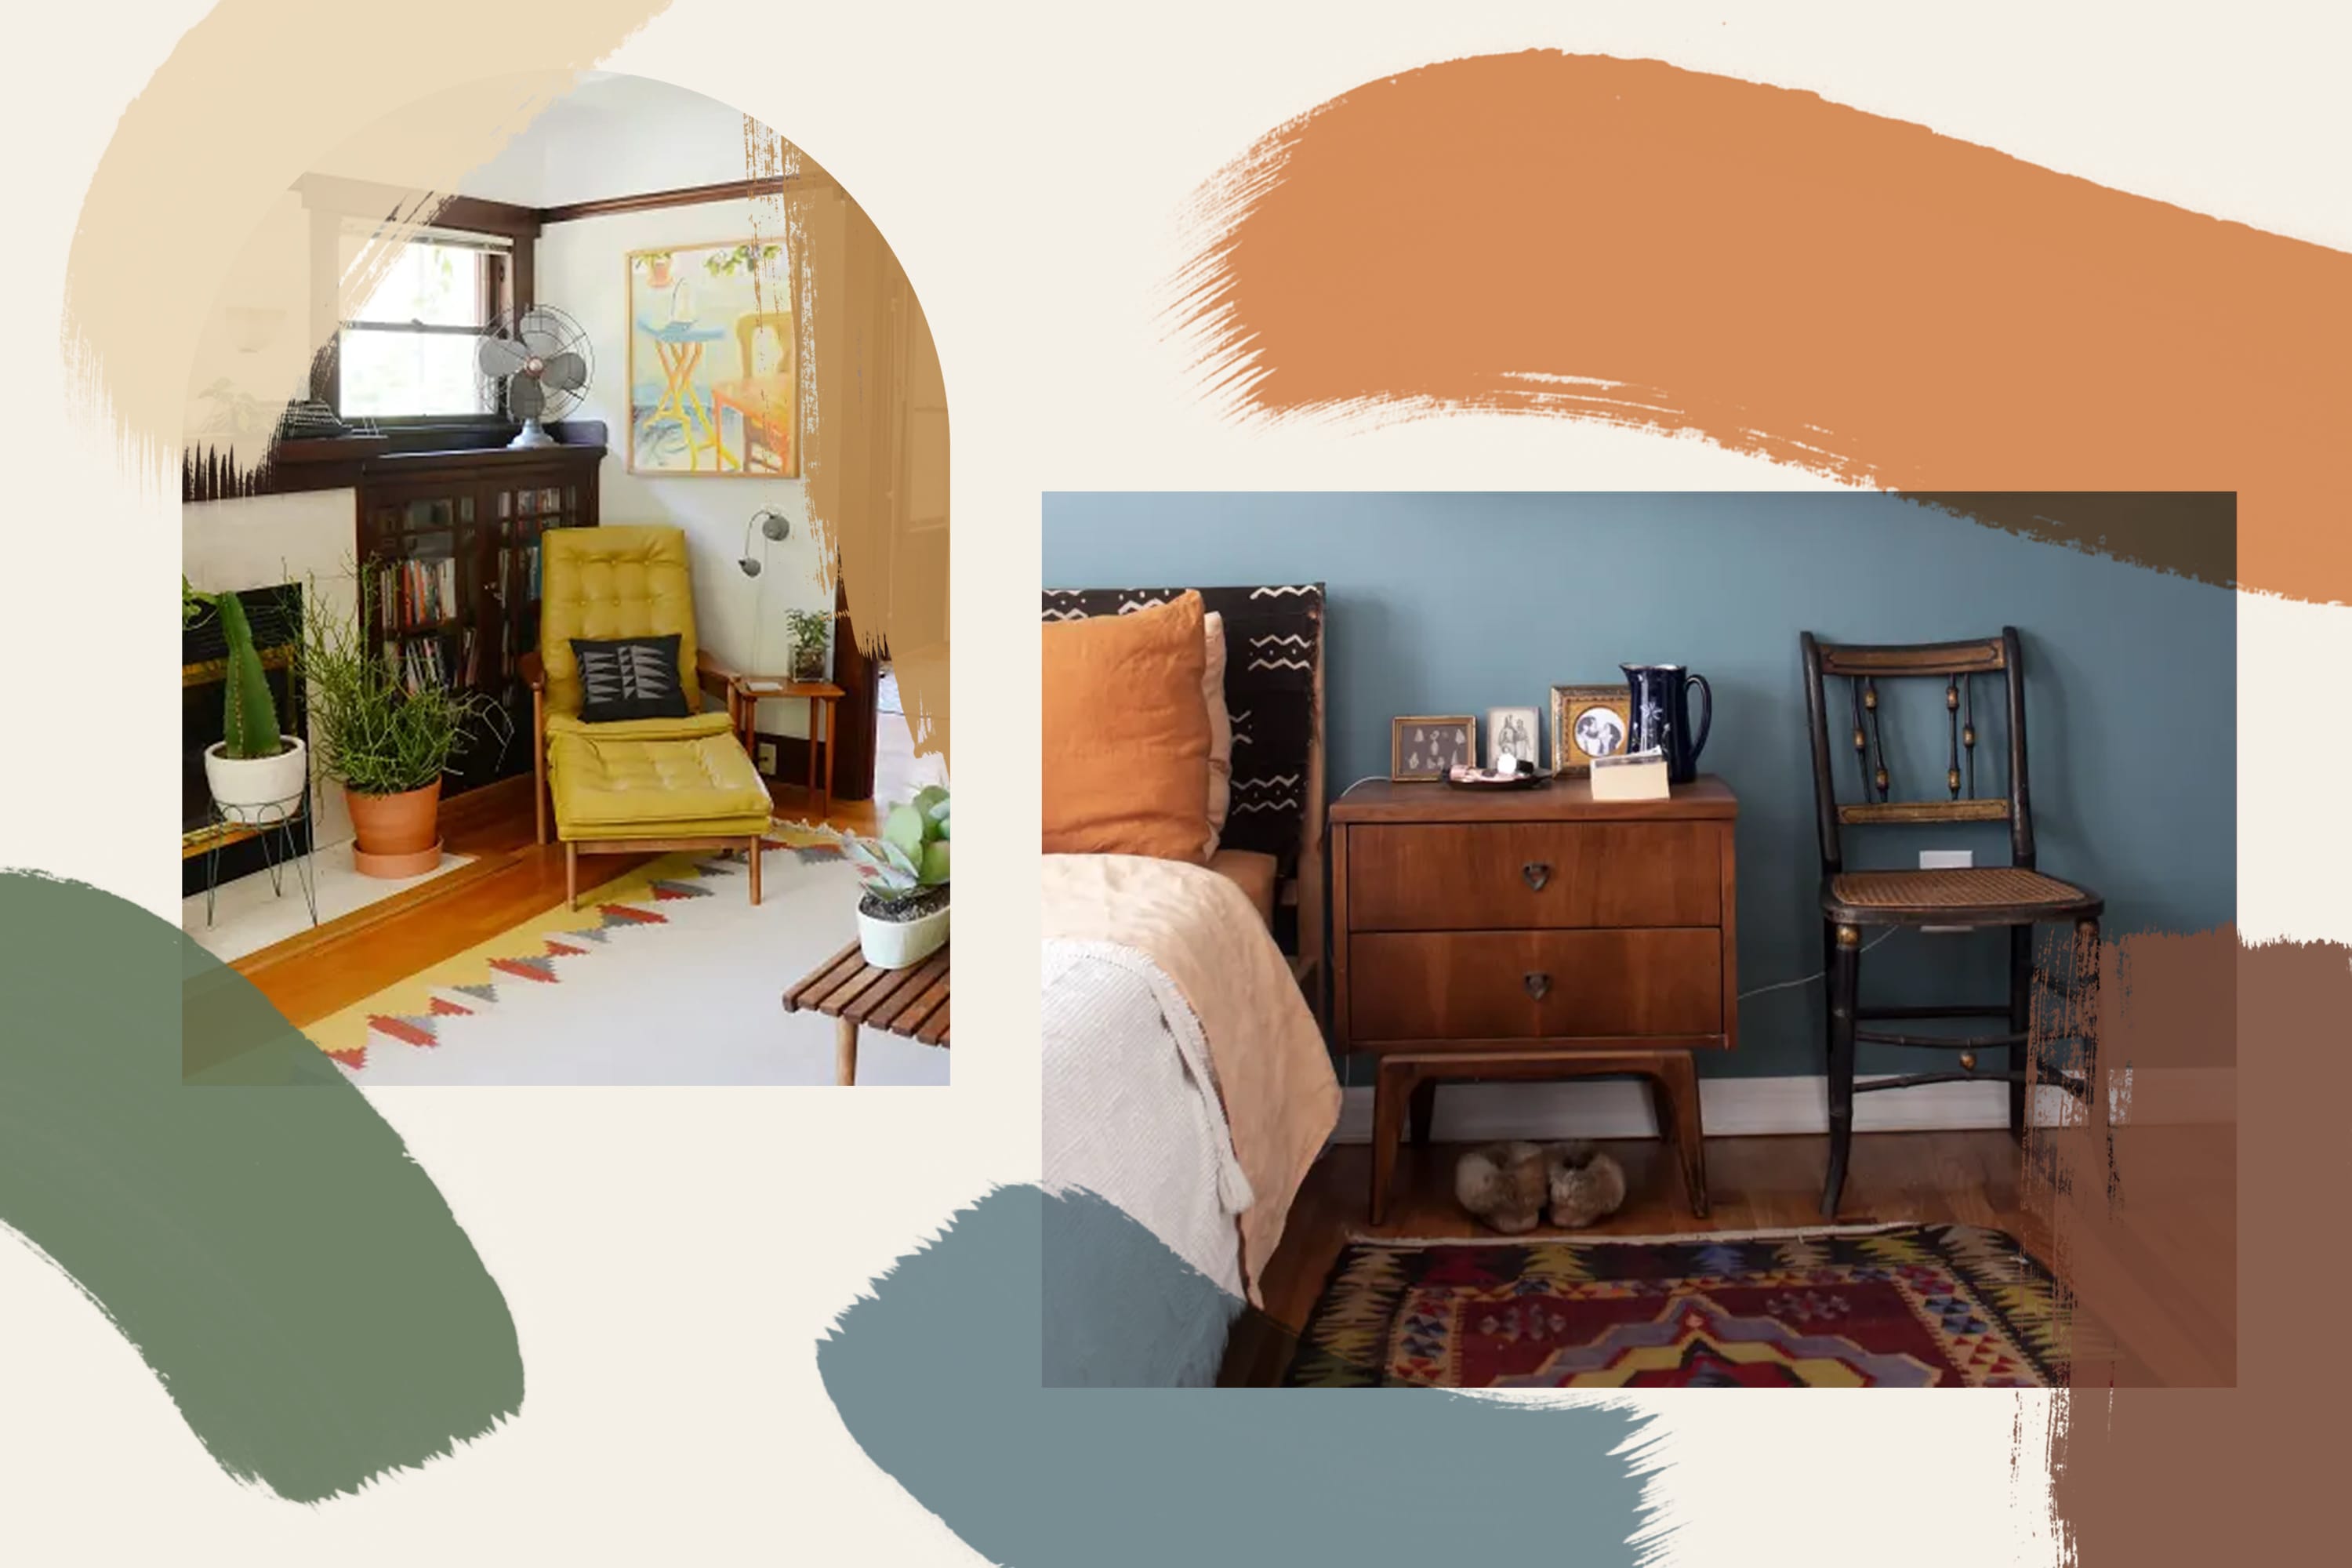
(1900, 1307)
(667, 975)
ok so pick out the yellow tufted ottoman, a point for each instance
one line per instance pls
(643, 784)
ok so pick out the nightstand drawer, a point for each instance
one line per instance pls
(1492, 876)
(1533, 984)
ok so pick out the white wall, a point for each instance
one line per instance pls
(582, 271)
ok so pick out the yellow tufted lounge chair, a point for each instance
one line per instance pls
(634, 785)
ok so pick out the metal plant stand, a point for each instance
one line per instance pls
(273, 825)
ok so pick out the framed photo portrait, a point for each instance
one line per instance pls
(1428, 746)
(1514, 732)
(1588, 721)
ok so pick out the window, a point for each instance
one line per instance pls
(408, 350)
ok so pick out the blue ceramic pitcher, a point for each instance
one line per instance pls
(1662, 720)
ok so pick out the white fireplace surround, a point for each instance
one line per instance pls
(306, 538)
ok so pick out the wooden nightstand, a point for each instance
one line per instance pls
(743, 699)
(1532, 933)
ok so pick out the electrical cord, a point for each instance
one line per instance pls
(1816, 975)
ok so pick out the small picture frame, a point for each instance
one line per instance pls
(1588, 721)
(1514, 732)
(1429, 746)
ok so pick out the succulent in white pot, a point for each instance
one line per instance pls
(902, 918)
(257, 774)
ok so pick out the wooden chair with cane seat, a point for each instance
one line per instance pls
(2017, 896)
(634, 785)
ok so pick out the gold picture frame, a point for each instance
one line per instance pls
(1418, 755)
(1570, 704)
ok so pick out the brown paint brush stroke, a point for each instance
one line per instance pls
(1626, 242)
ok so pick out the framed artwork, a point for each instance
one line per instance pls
(1514, 732)
(1427, 746)
(714, 361)
(1588, 721)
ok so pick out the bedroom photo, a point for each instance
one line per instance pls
(543, 720)
(1442, 988)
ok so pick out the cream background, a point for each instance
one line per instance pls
(671, 1257)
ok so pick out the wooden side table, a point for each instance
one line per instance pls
(911, 1003)
(746, 694)
(1532, 933)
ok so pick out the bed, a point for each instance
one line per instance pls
(1186, 1085)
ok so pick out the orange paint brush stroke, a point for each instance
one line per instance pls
(1622, 241)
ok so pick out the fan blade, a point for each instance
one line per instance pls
(524, 399)
(543, 335)
(565, 372)
(500, 356)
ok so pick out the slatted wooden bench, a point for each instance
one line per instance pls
(912, 1003)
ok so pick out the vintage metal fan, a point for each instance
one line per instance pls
(539, 363)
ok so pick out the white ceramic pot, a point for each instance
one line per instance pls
(901, 944)
(253, 790)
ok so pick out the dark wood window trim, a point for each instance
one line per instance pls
(331, 200)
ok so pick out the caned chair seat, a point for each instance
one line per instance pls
(1990, 892)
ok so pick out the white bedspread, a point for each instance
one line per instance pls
(1131, 1110)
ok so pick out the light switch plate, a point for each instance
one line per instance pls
(1946, 860)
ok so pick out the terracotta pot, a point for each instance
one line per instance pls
(398, 834)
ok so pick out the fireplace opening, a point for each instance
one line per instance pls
(276, 616)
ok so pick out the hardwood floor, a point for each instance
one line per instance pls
(1754, 1184)
(512, 879)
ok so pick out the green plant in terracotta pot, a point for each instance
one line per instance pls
(902, 919)
(255, 770)
(386, 740)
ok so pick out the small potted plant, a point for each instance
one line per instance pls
(808, 628)
(255, 772)
(387, 743)
(903, 916)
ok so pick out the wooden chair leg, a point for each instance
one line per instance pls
(2086, 1020)
(1424, 1110)
(1674, 1088)
(1393, 1083)
(1844, 986)
(751, 853)
(845, 1052)
(2021, 1019)
(571, 875)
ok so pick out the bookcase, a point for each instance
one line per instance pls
(448, 556)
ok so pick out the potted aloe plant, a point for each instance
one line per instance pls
(255, 772)
(903, 916)
(386, 743)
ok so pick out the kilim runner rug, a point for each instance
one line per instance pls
(1901, 1306)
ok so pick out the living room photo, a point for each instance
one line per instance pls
(1590, 939)
(564, 623)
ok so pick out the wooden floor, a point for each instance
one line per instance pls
(512, 879)
(1754, 1184)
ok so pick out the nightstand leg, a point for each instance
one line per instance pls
(1392, 1086)
(845, 1053)
(1677, 1098)
(1424, 1110)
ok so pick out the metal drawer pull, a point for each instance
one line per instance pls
(1536, 874)
(1538, 983)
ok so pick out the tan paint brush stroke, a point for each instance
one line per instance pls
(233, 117)
(209, 152)
(1626, 242)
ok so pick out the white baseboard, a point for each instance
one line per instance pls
(1728, 1107)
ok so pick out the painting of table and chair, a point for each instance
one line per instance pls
(714, 361)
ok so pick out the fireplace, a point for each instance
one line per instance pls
(276, 615)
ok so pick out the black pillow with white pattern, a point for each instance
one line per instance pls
(628, 677)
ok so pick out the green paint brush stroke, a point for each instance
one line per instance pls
(292, 1276)
(937, 1376)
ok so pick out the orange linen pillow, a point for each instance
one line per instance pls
(1126, 734)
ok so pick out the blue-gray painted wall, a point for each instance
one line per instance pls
(1444, 603)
